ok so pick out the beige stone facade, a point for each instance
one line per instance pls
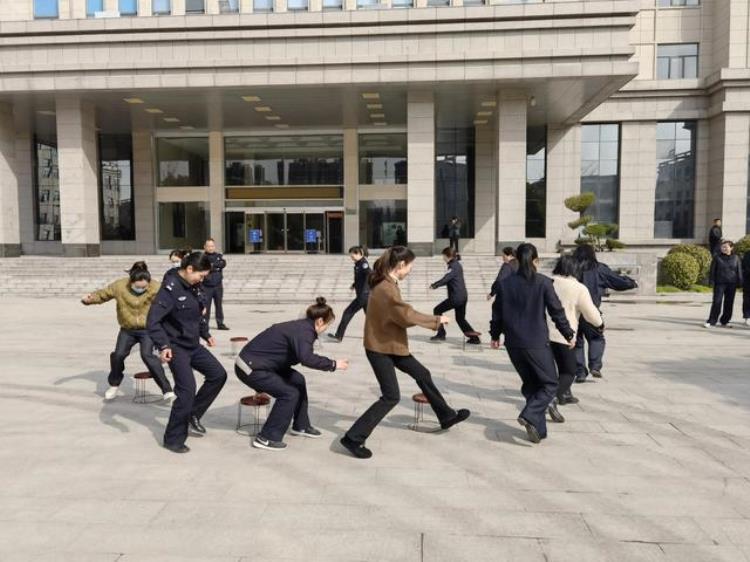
(241, 80)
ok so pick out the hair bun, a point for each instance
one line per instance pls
(139, 266)
(320, 301)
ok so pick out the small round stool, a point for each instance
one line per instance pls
(256, 401)
(419, 401)
(471, 335)
(141, 396)
(237, 344)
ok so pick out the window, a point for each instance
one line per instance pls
(382, 159)
(675, 179)
(229, 6)
(46, 9)
(333, 4)
(296, 5)
(195, 7)
(182, 161)
(669, 3)
(282, 160)
(438, 2)
(454, 180)
(365, 4)
(262, 5)
(536, 182)
(677, 61)
(402, 3)
(161, 7)
(600, 169)
(93, 6)
(183, 225)
(117, 206)
(473, 2)
(382, 223)
(128, 7)
(47, 191)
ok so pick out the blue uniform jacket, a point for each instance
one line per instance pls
(361, 275)
(216, 277)
(454, 279)
(176, 315)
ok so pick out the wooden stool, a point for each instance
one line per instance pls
(256, 401)
(237, 344)
(472, 335)
(141, 396)
(419, 401)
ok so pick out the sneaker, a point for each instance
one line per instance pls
(169, 396)
(111, 392)
(596, 373)
(554, 413)
(437, 337)
(567, 399)
(356, 449)
(309, 432)
(263, 443)
(747, 321)
(707, 325)
(334, 337)
(727, 325)
(531, 431)
(581, 378)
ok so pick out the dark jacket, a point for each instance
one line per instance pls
(361, 274)
(602, 277)
(507, 269)
(454, 230)
(714, 238)
(725, 270)
(519, 312)
(176, 315)
(218, 263)
(284, 345)
(454, 280)
(746, 268)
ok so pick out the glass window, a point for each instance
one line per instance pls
(333, 4)
(47, 191)
(401, 3)
(117, 206)
(364, 4)
(195, 6)
(183, 225)
(536, 181)
(677, 61)
(262, 5)
(473, 2)
(297, 5)
(282, 160)
(128, 7)
(454, 180)
(182, 161)
(600, 169)
(675, 180)
(93, 6)
(382, 158)
(46, 9)
(229, 6)
(438, 2)
(161, 7)
(382, 223)
(670, 3)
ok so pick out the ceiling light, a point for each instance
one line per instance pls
(480, 122)
(132, 100)
(374, 106)
(262, 108)
(371, 96)
(380, 123)
(153, 110)
(187, 127)
(171, 120)
(377, 115)
(484, 113)
(490, 103)
(282, 126)
(45, 112)
(273, 117)
(250, 98)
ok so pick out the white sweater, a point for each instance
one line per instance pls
(576, 300)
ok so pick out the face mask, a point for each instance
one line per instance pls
(138, 290)
(175, 264)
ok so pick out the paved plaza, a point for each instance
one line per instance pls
(653, 464)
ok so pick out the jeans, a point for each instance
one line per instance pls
(536, 367)
(126, 339)
(460, 309)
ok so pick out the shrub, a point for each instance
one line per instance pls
(701, 255)
(613, 244)
(742, 246)
(680, 269)
(579, 203)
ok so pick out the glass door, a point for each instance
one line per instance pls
(276, 227)
(295, 232)
(255, 231)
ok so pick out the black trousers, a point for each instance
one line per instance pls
(385, 367)
(359, 303)
(565, 358)
(453, 243)
(460, 309)
(215, 295)
(188, 402)
(536, 367)
(126, 339)
(723, 292)
(746, 299)
(588, 334)
(290, 392)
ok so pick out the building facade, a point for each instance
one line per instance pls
(138, 126)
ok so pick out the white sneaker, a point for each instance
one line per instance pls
(169, 396)
(707, 325)
(111, 392)
(747, 322)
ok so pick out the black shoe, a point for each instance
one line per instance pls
(530, 430)
(335, 338)
(222, 326)
(554, 413)
(567, 399)
(356, 449)
(195, 423)
(596, 373)
(581, 378)
(437, 337)
(460, 416)
(263, 443)
(474, 341)
(308, 432)
(177, 448)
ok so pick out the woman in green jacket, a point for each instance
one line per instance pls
(133, 295)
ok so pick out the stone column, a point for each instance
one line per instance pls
(485, 192)
(178, 7)
(10, 233)
(216, 186)
(79, 186)
(351, 187)
(24, 156)
(144, 187)
(420, 118)
(563, 181)
(637, 180)
(511, 175)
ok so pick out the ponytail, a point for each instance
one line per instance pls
(320, 310)
(526, 254)
(388, 262)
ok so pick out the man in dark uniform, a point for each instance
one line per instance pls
(358, 255)
(715, 237)
(454, 233)
(213, 284)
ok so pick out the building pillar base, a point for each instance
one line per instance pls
(423, 249)
(10, 250)
(81, 250)
(500, 244)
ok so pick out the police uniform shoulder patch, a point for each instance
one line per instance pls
(365, 266)
(181, 298)
(169, 286)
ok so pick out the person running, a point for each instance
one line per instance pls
(265, 365)
(519, 312)
(358, 255)
(725, 276)
(597, 277)
(387, 349)
(510, 266)
(133, 295)
(213, 284)
(457, 299)
(176, 324)
(577, 303)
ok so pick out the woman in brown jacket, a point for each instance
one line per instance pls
(387, 349)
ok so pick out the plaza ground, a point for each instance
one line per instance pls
(653, 464)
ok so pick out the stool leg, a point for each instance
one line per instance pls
(239, 416)
(256, 426)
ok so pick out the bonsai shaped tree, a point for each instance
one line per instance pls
(598, 235)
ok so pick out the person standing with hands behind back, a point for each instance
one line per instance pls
(725, 277)
(454, 233)
(213, 284)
